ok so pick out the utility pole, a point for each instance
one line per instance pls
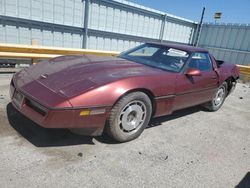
(199, 28)
(85, 24)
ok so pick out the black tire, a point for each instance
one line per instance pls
(213, 105)
(134, 108)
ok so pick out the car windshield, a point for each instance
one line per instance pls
(157, 56)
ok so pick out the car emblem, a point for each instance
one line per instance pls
(43, 76)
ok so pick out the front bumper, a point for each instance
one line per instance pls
(69, 118)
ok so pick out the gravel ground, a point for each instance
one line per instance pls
(191, 148)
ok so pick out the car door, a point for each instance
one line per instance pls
(194, 90)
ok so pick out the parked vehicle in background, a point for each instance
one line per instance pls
(6, 63)
(119, 95)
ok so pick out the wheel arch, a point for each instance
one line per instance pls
(148, 92)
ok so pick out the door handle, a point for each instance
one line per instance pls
(213, 78)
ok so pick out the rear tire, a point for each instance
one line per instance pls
(129, 117)
(218, 99)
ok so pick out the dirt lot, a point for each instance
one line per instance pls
(191, 148)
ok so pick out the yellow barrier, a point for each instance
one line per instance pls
(27, 55)
(35, 51)
(245, 71)
(19, 48)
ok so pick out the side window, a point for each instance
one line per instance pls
(201, 61)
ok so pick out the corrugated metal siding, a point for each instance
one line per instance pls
(108, 43)
(21, 34)
(104, 17)
(178, 32)
(66, 12)
(44, 20)
(114, 19)
(229, 42)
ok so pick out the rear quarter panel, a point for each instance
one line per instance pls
(228, 70)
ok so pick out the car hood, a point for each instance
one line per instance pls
(71, 75)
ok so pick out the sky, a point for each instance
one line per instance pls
(233, 11)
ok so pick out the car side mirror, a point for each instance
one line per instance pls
(193, 72)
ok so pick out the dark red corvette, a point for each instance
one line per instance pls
(90, 94)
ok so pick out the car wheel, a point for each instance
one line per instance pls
(218, 99)
(129, 117)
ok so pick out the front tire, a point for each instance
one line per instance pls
(129, 117)
(218, 99)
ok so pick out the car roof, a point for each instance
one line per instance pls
(183, 47)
